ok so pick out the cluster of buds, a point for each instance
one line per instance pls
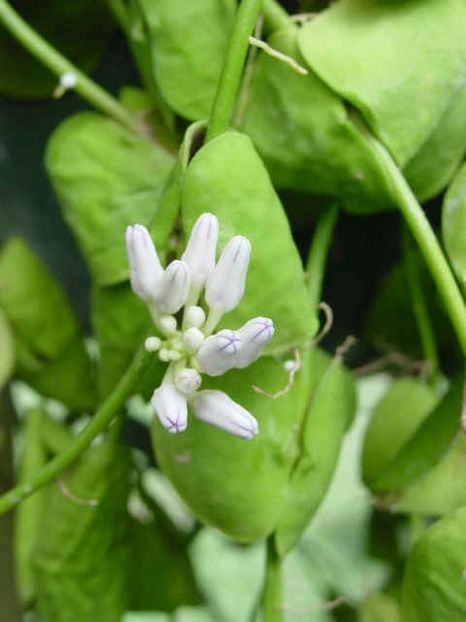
(186, 340)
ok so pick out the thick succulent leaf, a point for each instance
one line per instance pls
(454, 224)
(106, 178)
(332, 406)
(227, 178)
(395, 419)
(29, 512)
(212, 470)
(303, 131)
(185, 45)
(49, 344)
(440, 491)
(79, 29)
(82, 555)
(354, 47)
(433, 585)
(427, 445)
(7, 359)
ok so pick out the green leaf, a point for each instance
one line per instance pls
(354, 47)
(227, 178)
(332, 406)
(186, 44)
(440, 491)
(454, 224)
(49, 344)
(380, 608)
(106, 178)
(160, 572)
(433, 585)
(304, 133)
(212, 470)
(83, 44)
(7, 360)
(81, 559)
(428, 444)
(400, 412)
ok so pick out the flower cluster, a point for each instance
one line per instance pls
(187, 341)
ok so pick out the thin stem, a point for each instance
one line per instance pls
(119, 12)
(230, 79)
(317, 259)
(271, 600)
(97, 424)
(59, 65)
(419, 306)
(276, 18)
(425, 238)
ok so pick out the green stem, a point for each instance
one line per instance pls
(275, 16)
(230, 79)
(119, 12)
(271, 600)
(419, 306)
(59, 65)
(97, 424)
(425, 238)
(317, 259)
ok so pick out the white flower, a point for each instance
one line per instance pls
(200, 250)
(186, 343)
(174, 287)
(216, 408)
(225, 286)
(144, 265)
(218, 352)
(254, 335)
(171, 408)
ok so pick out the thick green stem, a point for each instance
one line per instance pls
(317, 259)
(230, 79)
(275, 16)
(271, 600)
(59, 65)
(425, 238)
(97, 424)
(419, 306)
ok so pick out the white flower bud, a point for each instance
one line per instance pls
(194, 317)
(188, 380)
(254, 335)
(201, 248)
(216, 408)
(193, 339)
(174, 287)
(171, 408)
(225, 286)
(167, 325)
(218, 353)
(144, 265)
(152, 344)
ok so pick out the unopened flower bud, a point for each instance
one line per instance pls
(174, 287)
(254, 335)
(188, 380)
(216, 408)
(144, 265)
(194, 317)
(200, 250)
(225, 286)
(218, 353)
(171, 408)
(152, 344)
(167, 325)
(192, 339)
